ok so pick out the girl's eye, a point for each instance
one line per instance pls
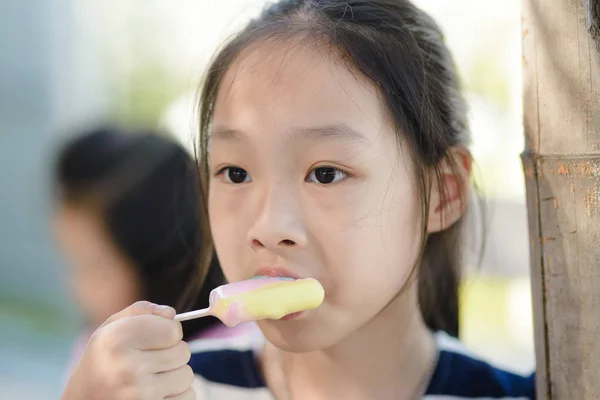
(235, 175)
(326, 175)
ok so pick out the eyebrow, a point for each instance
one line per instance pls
(341, 132)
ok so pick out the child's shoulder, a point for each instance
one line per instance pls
(461, 374)
(227, 366)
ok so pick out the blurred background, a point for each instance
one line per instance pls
(67, 63)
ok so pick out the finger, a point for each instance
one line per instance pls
(189, 394)
(142, 308)
(174, 382)
(168, 359)
(149, 332)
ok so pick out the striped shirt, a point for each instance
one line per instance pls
(228, 369)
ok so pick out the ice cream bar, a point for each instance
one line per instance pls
(256, 299)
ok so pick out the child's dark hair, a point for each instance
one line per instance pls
(402, 51)
(145, 190)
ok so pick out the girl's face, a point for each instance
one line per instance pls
(103, 281)
(308, 179)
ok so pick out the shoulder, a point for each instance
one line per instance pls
(460, 374)
(227, 367)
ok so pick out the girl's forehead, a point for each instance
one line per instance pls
(296, 84)
(283, 57)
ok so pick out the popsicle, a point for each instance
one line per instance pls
(256, 299)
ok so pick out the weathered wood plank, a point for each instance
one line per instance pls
(561, 89)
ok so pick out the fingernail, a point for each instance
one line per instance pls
(163, 309)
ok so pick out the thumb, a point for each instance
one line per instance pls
(142, 308)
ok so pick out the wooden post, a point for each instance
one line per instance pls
(561, 65)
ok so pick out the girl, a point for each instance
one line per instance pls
(335, 143)
(127, 219)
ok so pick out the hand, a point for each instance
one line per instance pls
(138, 354)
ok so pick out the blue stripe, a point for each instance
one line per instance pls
(230, 367)
(455, 375)
(463, 376)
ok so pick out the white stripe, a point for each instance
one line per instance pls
(255, 340)
(206, 390)
(448, 397)
(451, 344)
(250, 341)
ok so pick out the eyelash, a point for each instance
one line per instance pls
(335, 169)
(222, 171)
(346, 175)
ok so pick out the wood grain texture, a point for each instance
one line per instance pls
(561, 72)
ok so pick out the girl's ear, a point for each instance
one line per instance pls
(449, 195)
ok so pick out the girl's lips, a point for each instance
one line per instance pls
(275, 272)
(281, 278)
(291, 316)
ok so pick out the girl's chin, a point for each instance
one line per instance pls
(293, 337)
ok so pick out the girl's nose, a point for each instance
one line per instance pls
(278, 225)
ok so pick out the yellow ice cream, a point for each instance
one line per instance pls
(273, 301)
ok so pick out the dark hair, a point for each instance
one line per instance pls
(145, 189)
(402, 51)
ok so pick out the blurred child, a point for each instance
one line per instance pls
(128, 221)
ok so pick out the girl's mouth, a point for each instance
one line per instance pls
(275, 271)
(283, 278)
(291, 316)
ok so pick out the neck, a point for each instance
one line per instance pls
(391, 357)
